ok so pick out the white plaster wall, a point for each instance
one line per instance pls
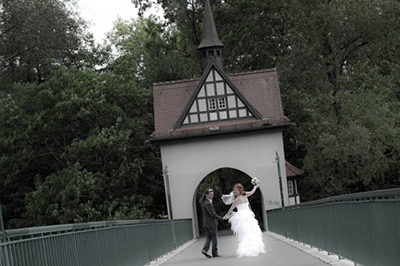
(252, 153)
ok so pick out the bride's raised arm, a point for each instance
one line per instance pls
(250, 193)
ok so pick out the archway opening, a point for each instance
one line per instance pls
(222, 182)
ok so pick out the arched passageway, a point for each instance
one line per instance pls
(222, 181)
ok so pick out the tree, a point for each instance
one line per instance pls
(78, 139)
(186, 15)
(150, 51)
(254, 33)
(339, 85)
(90, 55)
(36, 35)
(70, 195)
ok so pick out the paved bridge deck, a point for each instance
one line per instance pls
(280, 252)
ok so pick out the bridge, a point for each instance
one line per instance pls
(280, 252)
(362, 228)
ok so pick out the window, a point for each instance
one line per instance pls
(212, 105)
(290, 187)
(221, 103)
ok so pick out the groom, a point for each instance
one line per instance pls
(210, 223)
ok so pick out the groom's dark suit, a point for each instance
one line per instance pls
(210, 224)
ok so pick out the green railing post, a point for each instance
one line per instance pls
(277, 160)
(166, 177)
(3, 237)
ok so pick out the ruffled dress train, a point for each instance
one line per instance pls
(247, 232)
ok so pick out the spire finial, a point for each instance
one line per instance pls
(210, 45)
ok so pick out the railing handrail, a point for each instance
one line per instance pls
(383, 193)
(64, 228)
(365, 231)
(133, 242)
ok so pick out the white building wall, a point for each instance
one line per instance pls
(252, 153)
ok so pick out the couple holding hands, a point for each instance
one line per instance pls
(243, 224)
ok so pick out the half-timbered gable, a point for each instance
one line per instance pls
(216, 99)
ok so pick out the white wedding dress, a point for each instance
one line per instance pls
(247, 231)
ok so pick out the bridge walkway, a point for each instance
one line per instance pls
(280, 252)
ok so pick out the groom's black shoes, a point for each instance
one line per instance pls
(216, 256)
(205, 254)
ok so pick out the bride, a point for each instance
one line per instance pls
(243, 223)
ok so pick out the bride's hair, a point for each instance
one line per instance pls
(241, 188)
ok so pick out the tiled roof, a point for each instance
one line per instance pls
(292, 170)
(260, 88)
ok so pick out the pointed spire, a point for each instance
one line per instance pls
(209, 34)
(210, 45)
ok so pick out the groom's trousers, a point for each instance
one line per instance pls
(212, 236)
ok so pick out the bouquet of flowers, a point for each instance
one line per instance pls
(255, 181)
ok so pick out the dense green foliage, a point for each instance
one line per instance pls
(74, 138)
(74, 149)
(33, 36)
(75, 120)
(340, 85)
(151, 51)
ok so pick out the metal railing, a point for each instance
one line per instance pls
(110, 243)
(362, 227)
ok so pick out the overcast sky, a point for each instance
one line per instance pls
(102, 13)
